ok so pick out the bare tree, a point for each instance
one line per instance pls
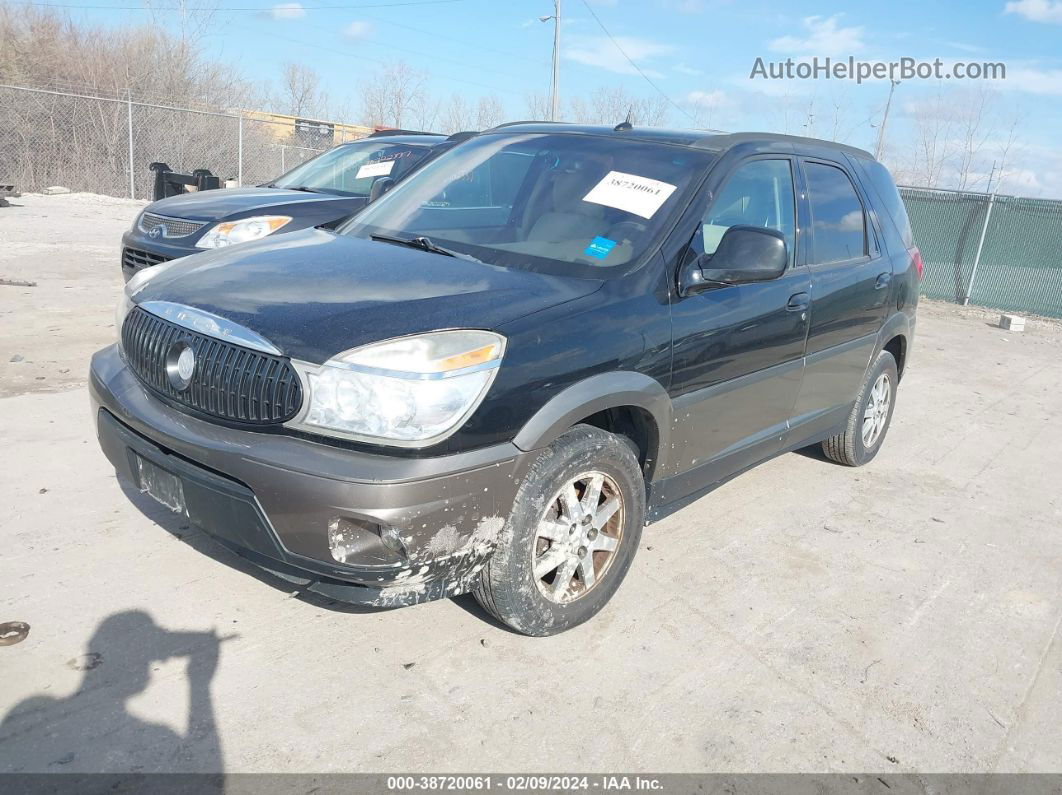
(613, 104)
(934, 138)
(301, 93)
(1006, 153)
(456, 115)
(489, 112)
(195, 19)
(538, 106)
(396, 96)
(83, 142)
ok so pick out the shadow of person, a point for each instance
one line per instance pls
(94, 731)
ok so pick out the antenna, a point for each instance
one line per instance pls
(626, 124)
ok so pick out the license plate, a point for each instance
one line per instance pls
(165, 487)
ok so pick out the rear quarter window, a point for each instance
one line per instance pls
(889, 198)
(836, 213)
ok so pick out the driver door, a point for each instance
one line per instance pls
(738, 349)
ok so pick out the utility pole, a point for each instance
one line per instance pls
(884, 121)
(554, 77)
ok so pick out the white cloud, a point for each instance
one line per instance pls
(1047, 82)
(599, 51)
(683, 69)
(706, 99)
(358, 29)
(1036, 10)
(287, 11)
(824, 37)
(962, 45)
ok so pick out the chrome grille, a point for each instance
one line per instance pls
(171, 227)
(136, 258)
(229, 381)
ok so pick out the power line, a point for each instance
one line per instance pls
(241, 8)
(398, 48)
(435, 34)
(659, 90)
(347, 54)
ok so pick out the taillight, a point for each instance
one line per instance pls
(916, 260)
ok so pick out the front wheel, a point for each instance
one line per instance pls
(571, 536)
(869, 419)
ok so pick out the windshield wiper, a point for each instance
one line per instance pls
(424, 244)
(303, 188)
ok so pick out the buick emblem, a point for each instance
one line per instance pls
(180, 365)
(157, 232)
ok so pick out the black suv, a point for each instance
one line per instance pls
(322, 191)
(493, 377)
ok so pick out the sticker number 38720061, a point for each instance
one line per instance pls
(631, 193)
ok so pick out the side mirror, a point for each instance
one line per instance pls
(380, 187)
(745, 254)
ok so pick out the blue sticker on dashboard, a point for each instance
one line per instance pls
(599, 247)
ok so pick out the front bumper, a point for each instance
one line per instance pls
(271, 497)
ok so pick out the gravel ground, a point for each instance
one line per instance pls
(804, 617)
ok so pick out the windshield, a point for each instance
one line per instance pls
(558, 203)
(351, 169)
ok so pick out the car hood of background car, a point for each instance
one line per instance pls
(314, 294)
(213, 205)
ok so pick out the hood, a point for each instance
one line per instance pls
(213, 205)
(314, 294)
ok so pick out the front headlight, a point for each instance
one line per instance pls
(410, 392)
(242, 231)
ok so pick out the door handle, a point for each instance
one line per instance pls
(798, 302)
(883, 281)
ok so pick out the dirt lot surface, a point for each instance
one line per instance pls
(804, 617)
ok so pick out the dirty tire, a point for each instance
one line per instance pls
(848, 448)
(508, 588)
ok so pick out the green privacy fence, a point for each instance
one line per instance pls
(1003, 252)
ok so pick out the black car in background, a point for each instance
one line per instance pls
(320, 192)
(490, 379)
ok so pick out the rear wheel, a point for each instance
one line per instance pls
(571, 536)
(869, 419)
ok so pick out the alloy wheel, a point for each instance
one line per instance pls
(577, 537)
(877, 411)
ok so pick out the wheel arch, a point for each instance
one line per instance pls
(894, 337)
(627, 403)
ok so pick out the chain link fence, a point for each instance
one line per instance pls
(104, 145)
(1003, 252)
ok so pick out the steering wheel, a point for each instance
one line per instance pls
(628, 230)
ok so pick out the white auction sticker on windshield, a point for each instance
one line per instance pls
(375, 169)
(630, 193)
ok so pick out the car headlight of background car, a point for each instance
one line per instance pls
(410, 392)
(246, 229)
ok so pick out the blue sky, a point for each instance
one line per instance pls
(699, 53)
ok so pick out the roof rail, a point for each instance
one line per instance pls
(396, 131)
(464, 135)
(526, 121)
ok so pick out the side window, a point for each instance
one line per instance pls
(837, 215)
(491, 184)
(890, 196)
(759, 193)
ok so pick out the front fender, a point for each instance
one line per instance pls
(598, 393)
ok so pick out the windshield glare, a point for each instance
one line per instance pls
(351, 169)
(559, 203)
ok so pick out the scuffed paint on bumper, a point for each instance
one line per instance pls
(271, 497)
